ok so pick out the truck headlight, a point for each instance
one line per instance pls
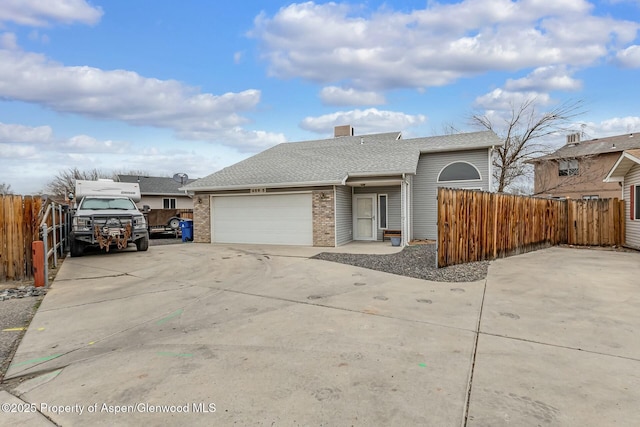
(139, 222)
(81, 223)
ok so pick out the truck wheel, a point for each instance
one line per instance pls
(142, 244)
(77, 249)
(174, 223)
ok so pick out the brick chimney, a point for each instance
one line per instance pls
(573, 138)
(345, 130)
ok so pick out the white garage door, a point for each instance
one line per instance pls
(278, 219)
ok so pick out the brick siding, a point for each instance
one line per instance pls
(202, 218)
(324, 223)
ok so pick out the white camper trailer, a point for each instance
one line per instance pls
(104, 187)
(106, 216)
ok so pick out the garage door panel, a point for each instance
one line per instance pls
(263, 219)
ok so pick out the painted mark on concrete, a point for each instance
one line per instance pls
(510, 315)
(169, 317)
(92, 343)
(170, 354)
(38, 360)
(422, 365)
(327, 394)
(22, 328)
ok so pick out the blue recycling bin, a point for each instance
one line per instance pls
(186, 227)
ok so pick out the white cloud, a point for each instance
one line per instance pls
(366, 121)
(629, 57)
(31, 156)
(332, 95)
(13, 152)
(237, 57)
(35, 35)
(436, 45)
(545, 79)
(14, 133)
(504, 100)
(39, 13)
(8, 41)
(614, 126)
(88, 144)
(246, 141)
(129, 97)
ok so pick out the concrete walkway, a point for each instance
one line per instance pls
(264, 336)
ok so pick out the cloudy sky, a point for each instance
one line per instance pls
(193, 86)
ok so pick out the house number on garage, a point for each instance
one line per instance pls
(257, 190)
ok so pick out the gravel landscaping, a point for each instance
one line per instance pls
(413, 261)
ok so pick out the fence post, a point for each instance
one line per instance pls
(38, 259)
(45, 241)
(61, 228)
(55, 237)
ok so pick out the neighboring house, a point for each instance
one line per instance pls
(333, 191)
(160, 192)
(577, 169)
(626, 172)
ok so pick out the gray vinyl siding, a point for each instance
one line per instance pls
(632, 229)
(425, 185)
(344, 216)
(393, 200)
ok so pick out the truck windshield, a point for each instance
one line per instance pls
(106, 203)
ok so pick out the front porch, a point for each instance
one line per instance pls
(376, 205)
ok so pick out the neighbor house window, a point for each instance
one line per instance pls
(590, 197)
(383, 210)
(568, 167)
(169, 203)
(459, 171)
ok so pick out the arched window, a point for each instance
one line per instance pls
(459, 171)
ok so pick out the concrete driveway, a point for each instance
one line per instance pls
(210, 335)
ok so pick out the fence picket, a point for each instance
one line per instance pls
(18, 228)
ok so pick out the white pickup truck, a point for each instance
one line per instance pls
(106, 216)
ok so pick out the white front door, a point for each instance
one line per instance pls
(364, 217)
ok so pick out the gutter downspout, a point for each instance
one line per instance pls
(403, 211)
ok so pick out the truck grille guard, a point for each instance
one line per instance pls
(105, 235)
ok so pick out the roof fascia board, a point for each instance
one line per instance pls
(447, 149)
(267, 185)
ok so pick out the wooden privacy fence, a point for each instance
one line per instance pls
(18, 228)
(476, 226)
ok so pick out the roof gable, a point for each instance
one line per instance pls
(625, 162)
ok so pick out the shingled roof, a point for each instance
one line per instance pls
(611, 144)
(155, 185)
(332, 161)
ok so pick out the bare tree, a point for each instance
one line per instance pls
(65, 180)
(5, 189)
(521, 132)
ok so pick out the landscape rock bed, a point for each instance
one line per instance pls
(21, 292)
(417, 261)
